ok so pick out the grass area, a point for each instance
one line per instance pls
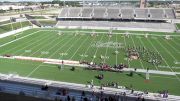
(178, 25)
(82, 46)
(47, 22)
(18, 35)
(13, 26)
(51, 72)
(74, 47)
(4, 22)
(38, 17)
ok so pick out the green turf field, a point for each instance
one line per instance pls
(13, 26)
(47, 22)
(76, 45)
(178, 25)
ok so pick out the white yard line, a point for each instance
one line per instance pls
(96, 50)
(87, 49)
(164, 61)
(135, 46)
(56, 45)
(19, 45)
(167, 50)
(50, 55)
(32, 44)
(116, 49)
(126, 47)
(106, 51)
(145, 46)
(18, 39)
(33, 71)
(175, 42)
(78, 48)
(48, 43)
(71, 46)
(171, 46)
(40, 47)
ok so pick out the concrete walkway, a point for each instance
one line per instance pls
(14, 32)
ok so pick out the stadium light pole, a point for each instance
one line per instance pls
(11, 24)
(21, 22)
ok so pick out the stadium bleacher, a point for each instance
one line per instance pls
(74, 12)
(127, 13)
(141, 13)
(87, 12)
(64, 12)
(170, 13)
(99, 13)
(113, 13)
(147, 19)
(157, 14)
(118, 13)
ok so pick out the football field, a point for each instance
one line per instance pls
(93, 46)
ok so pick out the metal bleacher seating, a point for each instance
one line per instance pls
(170, 13)
(157, 14)
(112, 18)
(117, 13)
(113, 13)
(127, 13)
(74, 12)
(141, 13)
(64, 12)
(87, 12)
(99, 12)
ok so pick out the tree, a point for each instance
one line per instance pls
(2, 11)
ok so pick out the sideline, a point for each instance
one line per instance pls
(14, 32)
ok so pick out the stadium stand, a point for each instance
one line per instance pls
(64, 12)
(113, 13)
(170, 13)
(141, 13)
(74, 12)
(53, 90)
(127, 13)
(156, 14)
(99, 13)
(117, 13)
(147, 19)
(87, 12)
